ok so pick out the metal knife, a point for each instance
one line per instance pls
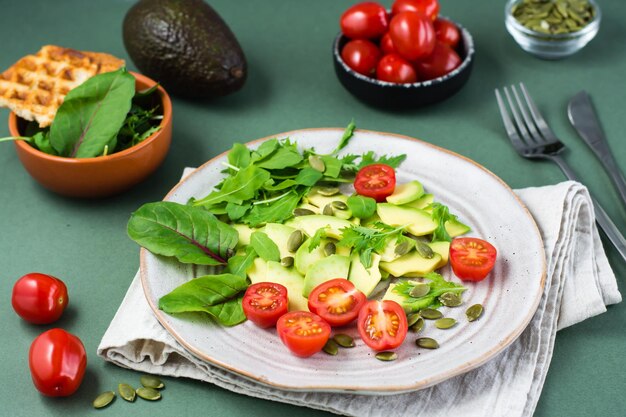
(584, 119)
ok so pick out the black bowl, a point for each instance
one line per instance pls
(392, 95)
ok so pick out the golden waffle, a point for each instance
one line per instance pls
(35, 86)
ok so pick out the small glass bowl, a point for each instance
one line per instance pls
(551, 46)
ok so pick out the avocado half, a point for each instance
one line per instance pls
(186, 46)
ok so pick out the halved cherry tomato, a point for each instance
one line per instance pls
(377, 181)
(429, 8)
(447, 32)
(57, 361)
(395, 69)
(264, 302)
(439, 63)
(471, 258)
(413, 35)
(386, 45)
(337, 301)
(39, 298)
(367, 20)
(303, 332)
(362, 56)
(382, 324)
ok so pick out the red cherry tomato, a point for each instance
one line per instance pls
(39, 298)
(439, 63)
(447, 32)
(264, 302)
(471, 258)
(367, 20)
(386, 44)
(362, 56)
(382, 324)
(303, 332)
(413, 35)
(337, 301)
(376, 181)
(395, 69)
(429, 8)
(57, 362)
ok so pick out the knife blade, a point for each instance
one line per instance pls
(584, 119)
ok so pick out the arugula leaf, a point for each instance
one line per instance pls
(308, 176)
(361, 207)
(239, 156)
(238, 188)
(440, 216)
(275, 212)
(237, 211)
(190, 234)
(92, 114)
(288, 183)
(264, 246)
(316, 239)
(365, 240)
(347, 134)
(283, 157)
(264, 150)
(239, 264)
(438, 286)
(333, 166)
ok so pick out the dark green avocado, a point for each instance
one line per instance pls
(186, 46)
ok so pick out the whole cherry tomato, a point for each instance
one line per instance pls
(472, 258)
(57, 362)
(303, 332)
(429, 8)
(376, 181)
(362, 56)
(367, 20)
(337, 301)
(395, 69)
(386, 45)
(382, 325)
(439, 63)
(447, 32)
(264, 302)
(39, 298)
(413, 35)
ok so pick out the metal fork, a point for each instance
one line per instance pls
(532, 138)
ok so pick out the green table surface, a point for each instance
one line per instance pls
(292, 85)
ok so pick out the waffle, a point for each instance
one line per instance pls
(35, 86)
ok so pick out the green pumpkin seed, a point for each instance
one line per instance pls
(344, 340)
(302, 212)
(327, 191)
(424, 250)
(474, 312)
(295, 240)
(419, 290)
(418, 325)
(104, 399)
(411, 319)
(445, 323)
(328, 210)
(151, 381)
(149, 394)
(126, 392)
(427, 343)
(387, 356)
(553, 17)
(317, 163)
(331, 347)
(339, 205)
(450, 299)
(402, 248)
(431, 314)
(330, 248)
(287, 261)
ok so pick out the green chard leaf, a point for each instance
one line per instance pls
(42, 142)
(229, 313)
(361, 207)
(92, 114)
(264, 246)
(440, 216)
(190, 234)
(239, 264)
(238, 188)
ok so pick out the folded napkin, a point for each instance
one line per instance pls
(579, 284)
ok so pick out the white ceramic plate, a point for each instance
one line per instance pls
(510, 294)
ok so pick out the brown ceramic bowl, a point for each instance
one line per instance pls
(104, 175)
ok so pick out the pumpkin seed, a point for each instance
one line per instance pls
(450, 299)
(339, 205)
(419, 290)
(302, 212)
(126, 392)
(151, 381)
(418, 326)
(387, 356)
(445, 323)
(553, 17)
(328, 191)
(344, 340)
(149, 394)
(411, 319)
(317, 163)
(474, 312)
(287, 261)
(331, 347)
(295, 240)
(427, 343)
(104, 399)
(328, 210)
(431, 314)
(402, 248)
(424, 250)
(330, 248)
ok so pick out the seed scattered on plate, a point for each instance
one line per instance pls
(427, 343)
(450, 299)
(330, 248)
(104, 399)
(327, 191)
(419, 290)
(445, 323)
(431, 314)
(474, 312)
(387, 356)
(331, 347)
(300, 211)
(287, 261)
(339, 205)
(418, 325)
(328, 210)
(344, 340)
(295, 240)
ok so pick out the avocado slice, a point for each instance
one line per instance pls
(186, 46)
(244, 232)
(365, 280)
(331, 267)
(418, 222)
(305, 258)
(422, 202)
(279, 234)
(443, 249)
(320, 201)
(407, 192)
(411, 265)
(456, 228)
(310, 224)
(292, 280)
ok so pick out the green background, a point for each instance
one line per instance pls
(292, 85)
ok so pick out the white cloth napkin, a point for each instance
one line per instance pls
(579, 284)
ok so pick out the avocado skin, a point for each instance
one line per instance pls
(186, 46)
